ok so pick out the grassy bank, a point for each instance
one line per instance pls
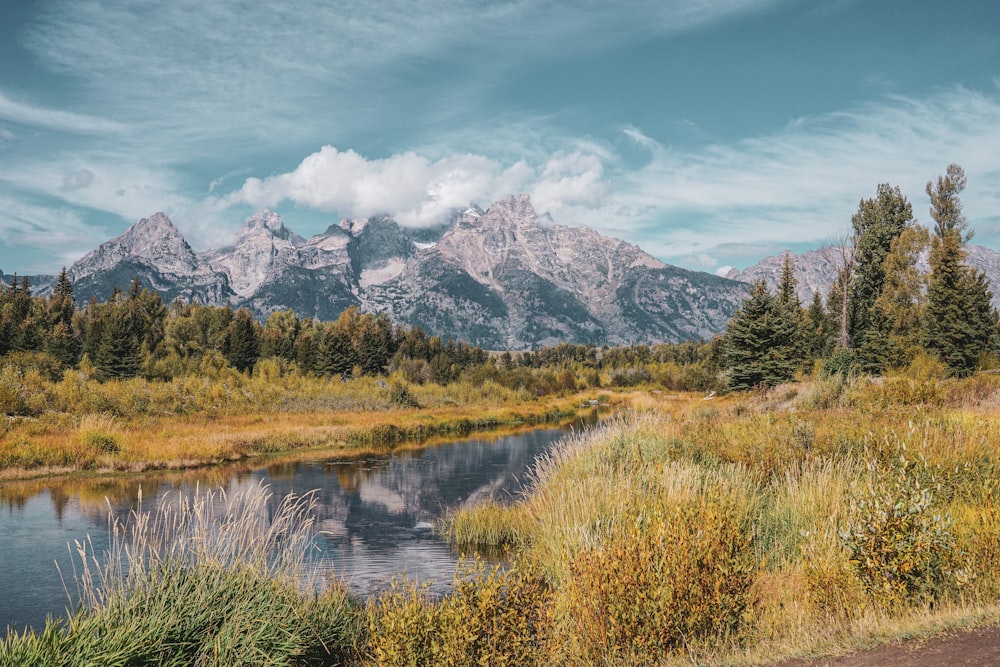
(812, 519)
(137, 425)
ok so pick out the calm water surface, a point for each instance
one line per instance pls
(372, 512)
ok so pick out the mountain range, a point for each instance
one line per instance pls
(501, 278)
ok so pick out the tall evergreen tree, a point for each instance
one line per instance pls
(373, 343)
(280, 332)
(818, 329)
(305, 349)
(335, 352)
(61, 340)
(961, 326)
(118, 349)
(62, 344)
(760, 343)
(243, 341)
(60, 304)
(876, 224)
(788, 301)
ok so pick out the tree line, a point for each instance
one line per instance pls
(134, 334)
(881, 312)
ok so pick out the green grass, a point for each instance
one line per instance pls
(210, 579)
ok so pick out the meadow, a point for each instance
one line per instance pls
(809, 519)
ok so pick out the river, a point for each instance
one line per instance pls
(372, 510)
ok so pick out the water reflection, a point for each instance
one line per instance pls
(374, 512)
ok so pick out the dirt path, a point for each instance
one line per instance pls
(976, 647)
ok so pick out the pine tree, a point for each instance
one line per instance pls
(242, 341)
(280, 332)
(62, 344)
(118, 350)
(961, 326)
(60, 305)
(876, 224)
(373, 343)
(760, 344)
(335, 353)
(790, 305)
(305, 350)
(818, 329)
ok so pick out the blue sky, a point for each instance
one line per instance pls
(710, 132)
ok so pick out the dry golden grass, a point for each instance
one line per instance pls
(817, 470)
(58, 443)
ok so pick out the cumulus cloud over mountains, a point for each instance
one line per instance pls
(418, 191)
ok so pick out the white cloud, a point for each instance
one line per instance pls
(574, 180)
(276, 73)
(798, 185)
(56, 229)
(723, 270)
(420, 192)
(103, 183)
(636, 135)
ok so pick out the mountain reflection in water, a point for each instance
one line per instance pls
(374, 513)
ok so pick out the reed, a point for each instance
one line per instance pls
(211, 578)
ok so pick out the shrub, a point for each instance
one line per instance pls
(12, 400)
(491, 617)
(898, 539)
(661, 582)
(101, 433)
(401, 396)
(401, 625)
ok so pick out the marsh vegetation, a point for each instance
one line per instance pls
(806, 519)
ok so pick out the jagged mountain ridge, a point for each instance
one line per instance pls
(503, 278)
(154, 251)
(816, 270)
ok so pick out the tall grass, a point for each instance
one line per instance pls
(210, 579)
(788, 523)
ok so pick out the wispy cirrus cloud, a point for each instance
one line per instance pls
(175, 104)
(700, 207)
(801, 184)
(58, 230)
(54, 119)
(262, 71)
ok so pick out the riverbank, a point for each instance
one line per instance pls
(59, 443)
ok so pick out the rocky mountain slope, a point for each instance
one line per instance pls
(154, 251)
(817, 269)
(503, 278)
